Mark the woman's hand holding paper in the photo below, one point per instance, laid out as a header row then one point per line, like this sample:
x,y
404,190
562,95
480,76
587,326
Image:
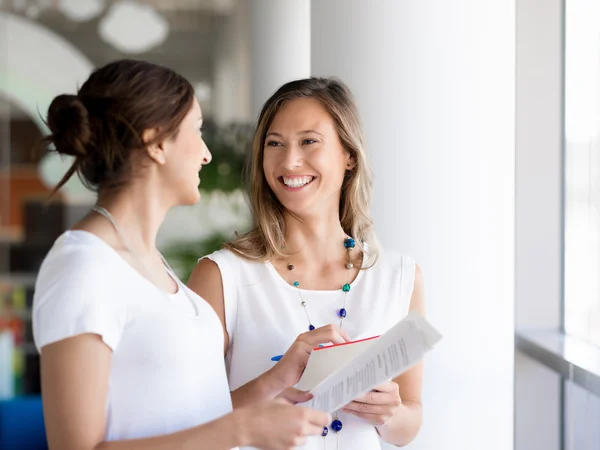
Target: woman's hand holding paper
x,y
290,367
377,406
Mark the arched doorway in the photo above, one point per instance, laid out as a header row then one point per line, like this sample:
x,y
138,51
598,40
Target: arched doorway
x,y
37,64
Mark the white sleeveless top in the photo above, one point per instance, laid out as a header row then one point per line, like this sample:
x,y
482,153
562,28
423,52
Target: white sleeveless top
x,y
167,372
263,317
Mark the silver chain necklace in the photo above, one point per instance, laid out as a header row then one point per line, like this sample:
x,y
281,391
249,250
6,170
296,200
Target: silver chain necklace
x,y
108,216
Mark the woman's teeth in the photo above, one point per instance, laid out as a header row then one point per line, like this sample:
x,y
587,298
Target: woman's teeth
x,y
296,182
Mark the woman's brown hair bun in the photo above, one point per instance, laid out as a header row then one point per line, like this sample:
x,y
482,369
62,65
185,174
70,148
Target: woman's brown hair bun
x,y
68,121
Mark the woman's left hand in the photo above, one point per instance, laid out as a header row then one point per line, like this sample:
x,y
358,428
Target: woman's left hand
x,y
377,406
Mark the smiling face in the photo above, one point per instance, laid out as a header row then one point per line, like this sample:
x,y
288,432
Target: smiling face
x,y
304,161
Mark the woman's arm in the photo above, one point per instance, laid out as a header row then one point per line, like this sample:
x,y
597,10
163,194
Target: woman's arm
x,y
206,281
75,374
395,407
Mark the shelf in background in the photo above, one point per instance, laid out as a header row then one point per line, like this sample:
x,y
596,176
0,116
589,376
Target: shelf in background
x,y
18,279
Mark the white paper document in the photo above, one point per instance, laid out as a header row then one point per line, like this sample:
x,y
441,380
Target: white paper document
x,y
322,362
377,361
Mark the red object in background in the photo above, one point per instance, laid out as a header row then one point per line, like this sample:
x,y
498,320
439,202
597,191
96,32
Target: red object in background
x,y
22,182
15,325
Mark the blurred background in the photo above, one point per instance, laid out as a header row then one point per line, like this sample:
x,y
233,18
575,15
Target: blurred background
x,y
482,120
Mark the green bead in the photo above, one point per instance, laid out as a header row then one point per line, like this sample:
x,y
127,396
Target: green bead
x,y
346,288
296,283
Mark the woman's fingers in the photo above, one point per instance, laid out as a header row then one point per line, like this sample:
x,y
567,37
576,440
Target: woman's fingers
x,y
325,334
294,395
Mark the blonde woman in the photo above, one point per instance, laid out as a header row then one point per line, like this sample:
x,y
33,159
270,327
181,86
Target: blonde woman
x,y
311,265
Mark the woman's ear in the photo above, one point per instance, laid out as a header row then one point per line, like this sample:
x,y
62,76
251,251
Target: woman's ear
x,y
155,150
350,162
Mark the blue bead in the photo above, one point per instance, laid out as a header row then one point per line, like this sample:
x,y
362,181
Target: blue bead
x,y
346,288
325,431
311,327
349,243
343,312
296,283
336,425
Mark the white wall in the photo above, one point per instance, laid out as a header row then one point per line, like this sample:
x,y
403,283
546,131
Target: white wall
x,y
435,85
262,44
280,42
539,163
539,249
232,69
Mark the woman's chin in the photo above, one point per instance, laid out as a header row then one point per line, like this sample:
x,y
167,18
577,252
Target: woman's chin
x,y
300,209
191,198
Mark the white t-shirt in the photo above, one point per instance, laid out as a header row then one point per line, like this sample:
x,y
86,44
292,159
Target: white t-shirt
x,y
167,372
263,317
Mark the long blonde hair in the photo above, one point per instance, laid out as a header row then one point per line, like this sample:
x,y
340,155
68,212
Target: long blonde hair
x,y
267,236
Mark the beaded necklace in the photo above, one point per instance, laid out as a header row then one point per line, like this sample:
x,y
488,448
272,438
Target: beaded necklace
x,y
349,244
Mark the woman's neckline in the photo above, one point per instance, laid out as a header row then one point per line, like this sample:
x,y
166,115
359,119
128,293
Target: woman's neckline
x,y
280,280
106,246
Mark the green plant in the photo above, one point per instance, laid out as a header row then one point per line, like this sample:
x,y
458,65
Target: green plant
x,y
229,146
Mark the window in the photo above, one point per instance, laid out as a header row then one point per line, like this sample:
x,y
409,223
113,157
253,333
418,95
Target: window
x,y
582,169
